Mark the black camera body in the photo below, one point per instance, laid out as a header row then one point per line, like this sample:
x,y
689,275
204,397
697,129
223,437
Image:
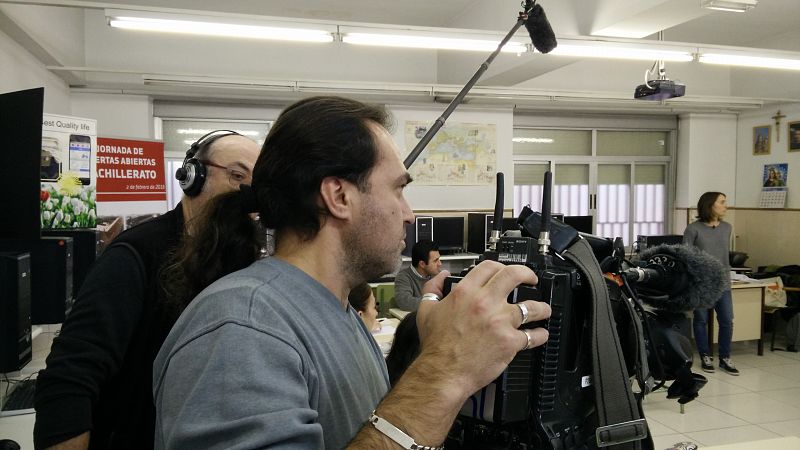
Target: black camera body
x,y
545,398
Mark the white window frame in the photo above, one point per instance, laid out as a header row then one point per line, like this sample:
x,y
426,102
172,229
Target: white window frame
x,y
593,161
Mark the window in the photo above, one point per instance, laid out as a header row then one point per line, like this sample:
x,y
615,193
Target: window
x,y
617,176
651,191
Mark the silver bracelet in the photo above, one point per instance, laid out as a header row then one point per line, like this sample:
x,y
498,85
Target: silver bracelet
x,y
397,435
430,296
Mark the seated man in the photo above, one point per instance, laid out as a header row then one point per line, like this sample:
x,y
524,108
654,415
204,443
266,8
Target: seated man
x,y
409,282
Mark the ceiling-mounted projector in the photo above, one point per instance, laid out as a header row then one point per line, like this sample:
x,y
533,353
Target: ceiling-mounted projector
x,y
659,90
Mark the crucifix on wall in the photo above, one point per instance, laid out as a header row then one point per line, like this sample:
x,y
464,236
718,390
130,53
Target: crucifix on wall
x,y
778,116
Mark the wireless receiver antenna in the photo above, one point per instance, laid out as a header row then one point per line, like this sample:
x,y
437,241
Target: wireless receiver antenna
x,y
497,226
544,230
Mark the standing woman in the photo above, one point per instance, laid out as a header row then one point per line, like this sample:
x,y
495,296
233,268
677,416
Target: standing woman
x,y
712,235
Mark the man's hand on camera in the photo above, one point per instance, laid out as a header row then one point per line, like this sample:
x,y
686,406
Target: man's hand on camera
x,y
473,333
436,284
468,338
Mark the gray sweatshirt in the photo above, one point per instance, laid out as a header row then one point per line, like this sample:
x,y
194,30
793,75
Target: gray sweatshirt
x,y
408,289
715,241
266,358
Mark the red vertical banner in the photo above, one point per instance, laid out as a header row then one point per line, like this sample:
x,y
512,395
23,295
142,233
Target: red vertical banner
x,y
130,170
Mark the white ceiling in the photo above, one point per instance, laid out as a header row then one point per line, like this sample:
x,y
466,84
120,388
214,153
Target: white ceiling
x,y
66,33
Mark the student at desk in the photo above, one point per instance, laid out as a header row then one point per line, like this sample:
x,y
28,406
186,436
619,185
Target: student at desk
x,y
410,282
362,300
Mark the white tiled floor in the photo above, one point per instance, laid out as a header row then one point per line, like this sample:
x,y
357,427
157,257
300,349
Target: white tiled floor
x,y
762,403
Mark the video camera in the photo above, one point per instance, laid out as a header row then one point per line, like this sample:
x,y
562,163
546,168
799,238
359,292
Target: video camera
x,y
575,390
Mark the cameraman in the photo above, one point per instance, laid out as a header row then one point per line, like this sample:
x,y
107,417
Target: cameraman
x,y
272,356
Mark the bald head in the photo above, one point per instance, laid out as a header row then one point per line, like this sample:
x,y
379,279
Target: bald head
x,y
229,162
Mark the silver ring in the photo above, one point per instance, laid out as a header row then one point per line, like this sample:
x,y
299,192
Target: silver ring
x,y
524,311
430,296
528,337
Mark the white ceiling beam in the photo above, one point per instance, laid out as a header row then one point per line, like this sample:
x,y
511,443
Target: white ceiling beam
x,y
629,20
45,56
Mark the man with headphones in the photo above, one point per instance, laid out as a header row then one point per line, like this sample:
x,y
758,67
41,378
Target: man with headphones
x,y
96,389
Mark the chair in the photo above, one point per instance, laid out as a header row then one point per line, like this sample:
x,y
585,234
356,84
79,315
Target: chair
x,y
384,295
777,316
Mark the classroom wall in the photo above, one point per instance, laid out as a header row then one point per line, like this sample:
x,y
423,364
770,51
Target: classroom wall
x,y
768,236
750,166
706,157
117,115
715,153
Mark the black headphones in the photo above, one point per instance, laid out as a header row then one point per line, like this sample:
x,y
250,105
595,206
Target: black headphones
x,y
192,174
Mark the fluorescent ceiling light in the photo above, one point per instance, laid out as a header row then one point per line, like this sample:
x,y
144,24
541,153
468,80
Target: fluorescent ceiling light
x,y
528,140
353,87
712,56
729,5
219,82
200,131
428,39
217,26
622,50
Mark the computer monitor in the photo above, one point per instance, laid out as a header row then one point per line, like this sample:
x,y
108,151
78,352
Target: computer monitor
x,y
448,233
584,224
20,163
642,242
510,223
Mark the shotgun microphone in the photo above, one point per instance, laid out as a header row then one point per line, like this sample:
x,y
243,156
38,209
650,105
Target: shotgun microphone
x,y
678,278
540,30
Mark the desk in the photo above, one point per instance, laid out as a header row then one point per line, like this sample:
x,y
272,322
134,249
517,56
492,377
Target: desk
x,y
385,336
748,314
398,313
453,263
20,428
453,257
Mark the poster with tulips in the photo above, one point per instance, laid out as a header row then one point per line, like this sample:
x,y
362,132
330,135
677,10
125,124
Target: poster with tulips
x,y
68,172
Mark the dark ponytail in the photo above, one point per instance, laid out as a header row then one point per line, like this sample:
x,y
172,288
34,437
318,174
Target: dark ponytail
x,y
224,239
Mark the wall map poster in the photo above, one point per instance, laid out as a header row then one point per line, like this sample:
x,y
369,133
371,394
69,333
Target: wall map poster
x,y
459,154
